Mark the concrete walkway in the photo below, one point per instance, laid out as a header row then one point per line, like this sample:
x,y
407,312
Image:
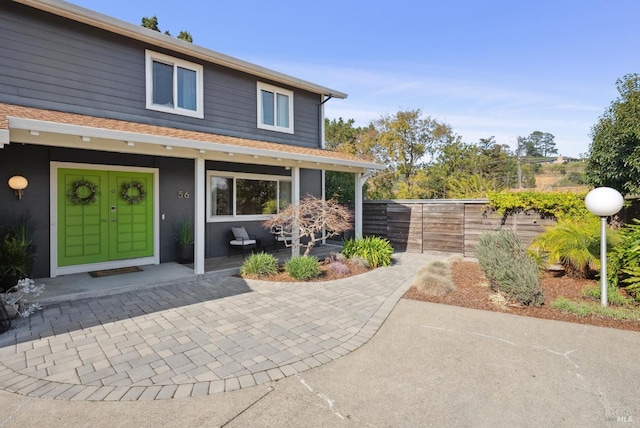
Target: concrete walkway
x,y
190,339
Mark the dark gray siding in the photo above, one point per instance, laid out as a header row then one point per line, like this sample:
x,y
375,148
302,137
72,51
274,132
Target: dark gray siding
x,y
175,175
310,182
33,162
54,63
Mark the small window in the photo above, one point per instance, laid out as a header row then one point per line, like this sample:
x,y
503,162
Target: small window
x,y
174,85
246,196
275,108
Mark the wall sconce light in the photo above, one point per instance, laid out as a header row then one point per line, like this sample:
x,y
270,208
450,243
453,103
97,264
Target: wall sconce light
x,y
18,183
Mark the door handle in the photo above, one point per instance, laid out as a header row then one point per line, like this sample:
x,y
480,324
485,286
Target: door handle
x,y
114,220
104,220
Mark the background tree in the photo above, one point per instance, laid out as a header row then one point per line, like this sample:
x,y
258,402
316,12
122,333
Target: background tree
x,y
425,159
614,154
406,140
539,144
186,36
497,163
462,170
152,24
343,136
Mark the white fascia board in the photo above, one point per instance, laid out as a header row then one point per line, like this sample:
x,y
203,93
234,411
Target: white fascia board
x,y
137,32
109,134
4,136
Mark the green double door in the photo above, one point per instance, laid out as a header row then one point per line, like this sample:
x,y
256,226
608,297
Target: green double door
x,y
104,216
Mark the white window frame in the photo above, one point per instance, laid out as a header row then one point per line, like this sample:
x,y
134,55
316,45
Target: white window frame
x,y
240,176
150,57
275,90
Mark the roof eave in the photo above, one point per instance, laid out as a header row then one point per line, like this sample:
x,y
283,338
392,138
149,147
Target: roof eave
x,y
92,132
136,32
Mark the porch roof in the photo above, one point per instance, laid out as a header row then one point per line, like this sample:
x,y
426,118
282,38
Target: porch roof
x,y
48,127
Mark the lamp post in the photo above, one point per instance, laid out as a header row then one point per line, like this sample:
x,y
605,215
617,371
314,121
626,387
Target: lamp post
x,y
603,202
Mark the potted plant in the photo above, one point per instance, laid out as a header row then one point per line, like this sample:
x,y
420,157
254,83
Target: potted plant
x,y
16,260
17,250
184,246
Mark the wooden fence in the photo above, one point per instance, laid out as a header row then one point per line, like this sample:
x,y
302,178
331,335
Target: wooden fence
x,y
450,226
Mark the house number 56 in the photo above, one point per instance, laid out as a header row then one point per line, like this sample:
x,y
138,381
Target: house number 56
x,y
183,194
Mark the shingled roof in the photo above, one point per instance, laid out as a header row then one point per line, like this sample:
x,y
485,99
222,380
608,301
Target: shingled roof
x,y
180,137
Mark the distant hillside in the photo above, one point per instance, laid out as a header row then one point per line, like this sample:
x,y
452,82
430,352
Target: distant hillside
x,y
564,176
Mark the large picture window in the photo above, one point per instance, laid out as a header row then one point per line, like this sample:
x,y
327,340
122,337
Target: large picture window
x,y
245,196
275,108
174,85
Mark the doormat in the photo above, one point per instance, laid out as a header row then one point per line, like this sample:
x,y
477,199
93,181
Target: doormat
x,y
118,271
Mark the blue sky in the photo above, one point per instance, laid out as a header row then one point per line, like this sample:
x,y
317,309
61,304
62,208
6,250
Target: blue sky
x,y
501,68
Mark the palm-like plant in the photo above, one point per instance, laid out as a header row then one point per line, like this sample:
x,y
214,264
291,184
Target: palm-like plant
x,y
624,264
575,245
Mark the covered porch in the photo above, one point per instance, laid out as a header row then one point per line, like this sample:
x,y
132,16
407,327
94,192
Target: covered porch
x,y
180,166
83,285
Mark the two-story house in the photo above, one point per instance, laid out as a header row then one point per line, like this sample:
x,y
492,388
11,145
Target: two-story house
x,y
121,132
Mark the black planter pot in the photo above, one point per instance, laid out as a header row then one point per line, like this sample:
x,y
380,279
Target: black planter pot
x,y
8,281
184,253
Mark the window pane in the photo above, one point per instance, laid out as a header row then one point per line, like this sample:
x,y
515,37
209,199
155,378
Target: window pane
x,y
285,195
186,89
221,195
255,197
162,84
267,107
283,110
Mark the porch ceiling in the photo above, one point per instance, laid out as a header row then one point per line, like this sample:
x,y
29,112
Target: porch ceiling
x,y
20,124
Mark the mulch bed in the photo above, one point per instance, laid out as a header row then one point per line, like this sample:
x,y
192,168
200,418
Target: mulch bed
x,y
472,291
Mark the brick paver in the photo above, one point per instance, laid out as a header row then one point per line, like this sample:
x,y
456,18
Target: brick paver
x,y
206,336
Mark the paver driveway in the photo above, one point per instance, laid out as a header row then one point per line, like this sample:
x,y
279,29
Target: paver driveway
x,y
196,338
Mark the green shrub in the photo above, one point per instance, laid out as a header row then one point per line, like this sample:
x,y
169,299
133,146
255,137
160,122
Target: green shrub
x,y
259,265
573,244
377,251
587,309
509,268
623,265
561,206
614,296
303,267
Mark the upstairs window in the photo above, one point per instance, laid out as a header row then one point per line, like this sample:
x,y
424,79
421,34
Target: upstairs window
x,y
174,85
275,108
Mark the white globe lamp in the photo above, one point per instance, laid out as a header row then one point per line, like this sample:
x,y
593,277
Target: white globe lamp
x,y
603,202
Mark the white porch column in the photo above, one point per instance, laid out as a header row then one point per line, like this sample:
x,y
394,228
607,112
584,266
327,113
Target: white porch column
x,y
199,220
323,180
358,204
295,201
361,178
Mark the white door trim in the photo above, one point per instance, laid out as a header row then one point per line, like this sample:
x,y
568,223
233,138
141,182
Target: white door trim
x,y
55,270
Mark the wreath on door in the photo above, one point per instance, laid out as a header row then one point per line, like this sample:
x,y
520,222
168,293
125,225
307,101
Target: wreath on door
x,y
133,192
90,192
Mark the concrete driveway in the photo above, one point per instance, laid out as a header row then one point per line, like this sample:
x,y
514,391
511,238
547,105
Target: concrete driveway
x,y
428,365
